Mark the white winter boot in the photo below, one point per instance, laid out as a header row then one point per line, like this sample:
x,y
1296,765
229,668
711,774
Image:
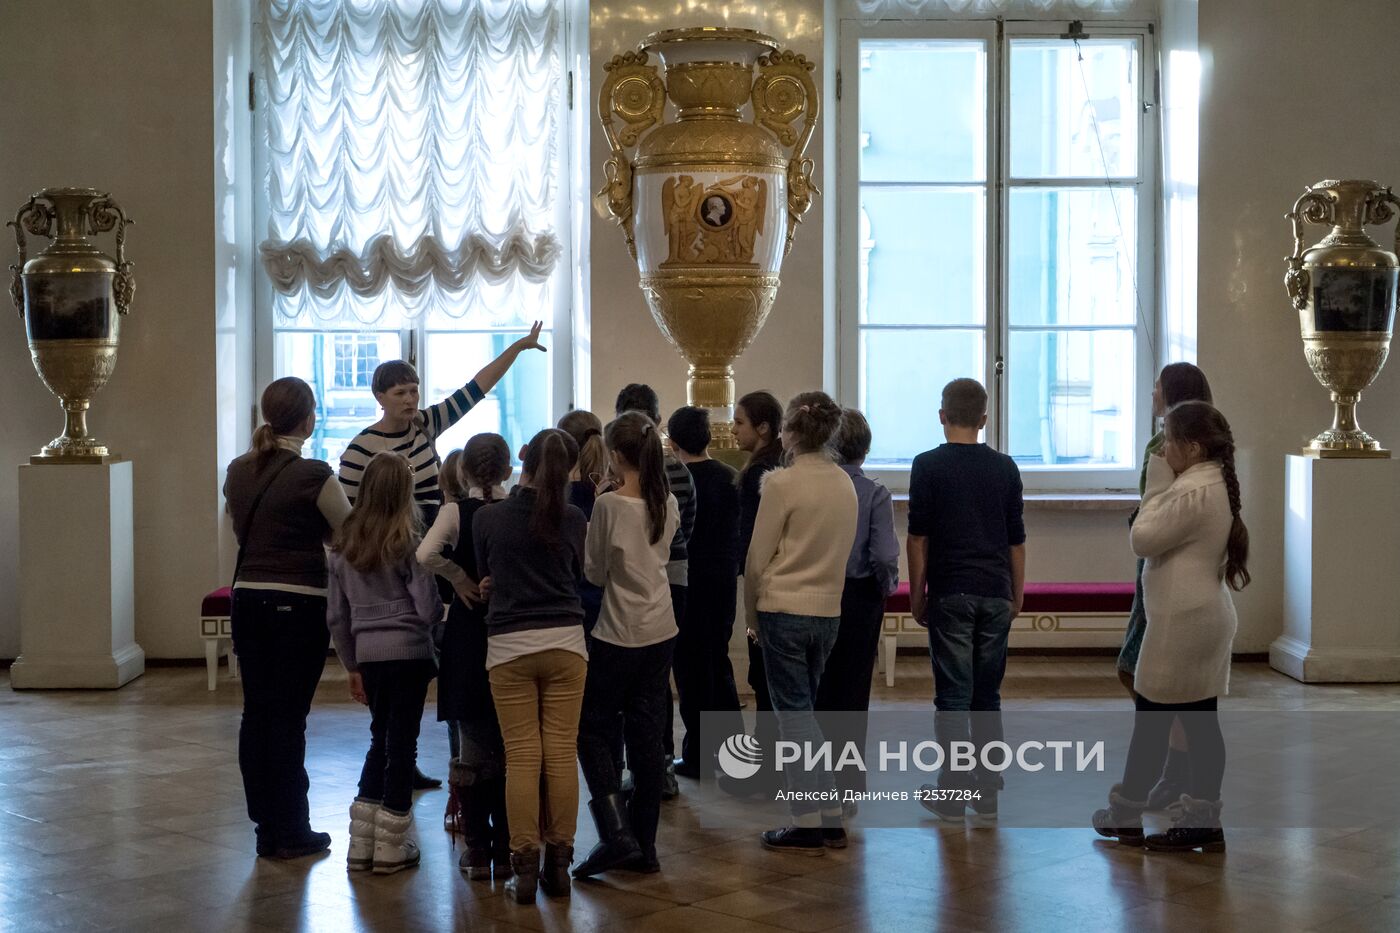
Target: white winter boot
x,y
393,850
362,812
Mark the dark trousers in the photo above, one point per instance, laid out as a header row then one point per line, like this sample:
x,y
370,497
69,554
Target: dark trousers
x,y
845,683
967,639
396,691
626,691
281,640
704,676
765,726
1148,751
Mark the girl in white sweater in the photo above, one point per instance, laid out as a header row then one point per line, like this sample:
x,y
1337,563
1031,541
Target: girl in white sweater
x,y
794,576
629,656
1195,545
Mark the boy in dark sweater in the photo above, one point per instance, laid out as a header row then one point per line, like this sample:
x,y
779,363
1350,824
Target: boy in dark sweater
x,y
967,562
704,676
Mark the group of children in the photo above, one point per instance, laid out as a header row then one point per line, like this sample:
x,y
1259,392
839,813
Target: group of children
x,y
614,561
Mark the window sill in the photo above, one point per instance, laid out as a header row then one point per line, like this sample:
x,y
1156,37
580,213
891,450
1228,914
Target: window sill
x,y
1067,501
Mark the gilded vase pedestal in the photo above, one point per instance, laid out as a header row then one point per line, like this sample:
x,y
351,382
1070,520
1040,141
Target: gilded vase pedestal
x,y
709,201
1344,289
77,624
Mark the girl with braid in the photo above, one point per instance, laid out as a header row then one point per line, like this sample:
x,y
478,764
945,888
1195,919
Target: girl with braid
x,y
1195,544
478,770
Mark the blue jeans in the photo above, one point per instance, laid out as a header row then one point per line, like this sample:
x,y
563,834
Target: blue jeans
x,y
795,649
967,638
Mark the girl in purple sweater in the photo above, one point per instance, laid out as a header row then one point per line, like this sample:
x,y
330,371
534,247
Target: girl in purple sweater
x,y
381,608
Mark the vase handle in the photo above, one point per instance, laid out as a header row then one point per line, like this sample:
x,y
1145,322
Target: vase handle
x,y
103,215
37,218
1382,207
784,94
1313,208
634,95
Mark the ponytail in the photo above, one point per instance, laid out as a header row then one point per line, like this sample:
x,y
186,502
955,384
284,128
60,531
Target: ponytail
x,y
549,458
286,404
635,438
587,431
1201,423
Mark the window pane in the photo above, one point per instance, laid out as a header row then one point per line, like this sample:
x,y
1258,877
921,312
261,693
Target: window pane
x,y
1073,118
324,359
518,406
1072,256
908,133
1071,398
902,375
922,256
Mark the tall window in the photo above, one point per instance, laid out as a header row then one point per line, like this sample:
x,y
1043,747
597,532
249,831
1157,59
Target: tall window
x,y
997,211
412,152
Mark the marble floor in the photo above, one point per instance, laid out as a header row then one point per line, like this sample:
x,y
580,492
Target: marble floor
x,y
123,811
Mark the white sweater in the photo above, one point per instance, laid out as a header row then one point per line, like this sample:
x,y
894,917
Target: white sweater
x,y
802,537
1181,531
619,556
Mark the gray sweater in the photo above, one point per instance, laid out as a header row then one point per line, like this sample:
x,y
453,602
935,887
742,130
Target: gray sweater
x,y
384,615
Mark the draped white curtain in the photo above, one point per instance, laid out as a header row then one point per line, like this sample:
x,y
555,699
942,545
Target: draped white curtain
x,y
412,158
983,8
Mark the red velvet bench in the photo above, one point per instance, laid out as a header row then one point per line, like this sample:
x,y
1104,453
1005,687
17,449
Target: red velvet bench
x,y
1095,613
216,625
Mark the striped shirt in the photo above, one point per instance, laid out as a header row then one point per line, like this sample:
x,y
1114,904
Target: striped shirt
x,y
416,442
683,488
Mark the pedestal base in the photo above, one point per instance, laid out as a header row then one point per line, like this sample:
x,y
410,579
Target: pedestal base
x,y
1341,599
100,671
77,620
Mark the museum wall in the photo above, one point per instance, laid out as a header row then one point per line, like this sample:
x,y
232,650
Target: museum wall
x,y
1282,107
97,94
104,94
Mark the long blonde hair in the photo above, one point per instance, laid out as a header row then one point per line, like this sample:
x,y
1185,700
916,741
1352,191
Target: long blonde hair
x,y
384,526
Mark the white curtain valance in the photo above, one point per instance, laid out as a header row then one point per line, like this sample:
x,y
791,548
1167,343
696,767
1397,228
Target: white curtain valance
x,y
1063,9
412,154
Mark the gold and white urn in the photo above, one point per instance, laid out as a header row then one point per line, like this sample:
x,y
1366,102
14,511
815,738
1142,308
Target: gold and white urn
x,y
1344,289
709,201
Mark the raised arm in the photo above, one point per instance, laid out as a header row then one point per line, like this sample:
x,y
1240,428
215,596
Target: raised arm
x,y
492,372
450,410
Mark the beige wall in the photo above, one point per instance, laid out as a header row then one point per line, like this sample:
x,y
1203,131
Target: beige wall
x,y
120,96
1283,105
155,122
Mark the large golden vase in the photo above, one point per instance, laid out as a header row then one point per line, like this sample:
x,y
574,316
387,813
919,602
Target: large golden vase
x,y
1344,288
72,297
709,200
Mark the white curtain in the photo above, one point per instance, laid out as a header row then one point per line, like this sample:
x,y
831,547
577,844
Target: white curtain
x,y
1068,9
412,158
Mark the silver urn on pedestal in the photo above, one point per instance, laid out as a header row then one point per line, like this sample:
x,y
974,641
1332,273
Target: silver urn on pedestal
x,y
1344,288
72,297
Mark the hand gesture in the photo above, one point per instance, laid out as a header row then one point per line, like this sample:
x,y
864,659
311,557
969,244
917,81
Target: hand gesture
x,y
532,340
357,689
469,592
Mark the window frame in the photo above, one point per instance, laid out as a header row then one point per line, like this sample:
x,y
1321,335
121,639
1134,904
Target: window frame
x,y
565,320
999,184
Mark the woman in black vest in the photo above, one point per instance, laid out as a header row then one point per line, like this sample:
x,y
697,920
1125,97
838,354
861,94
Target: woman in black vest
x,y
283,509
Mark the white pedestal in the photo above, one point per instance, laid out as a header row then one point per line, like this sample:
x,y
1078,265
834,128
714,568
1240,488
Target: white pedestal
x,y
1341,588
77,624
